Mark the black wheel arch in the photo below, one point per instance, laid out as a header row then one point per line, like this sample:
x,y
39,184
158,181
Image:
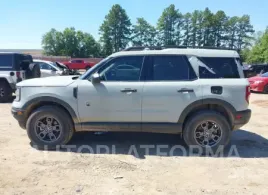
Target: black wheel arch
x,y
218,105
38,102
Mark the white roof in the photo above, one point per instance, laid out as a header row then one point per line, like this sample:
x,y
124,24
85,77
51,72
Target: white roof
x,y
193,52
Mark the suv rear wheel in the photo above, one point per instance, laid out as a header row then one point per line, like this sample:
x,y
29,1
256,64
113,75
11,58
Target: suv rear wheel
x,y
207,130
49,127
5,91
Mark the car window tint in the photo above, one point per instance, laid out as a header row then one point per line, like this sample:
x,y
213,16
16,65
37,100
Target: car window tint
x,y
44,66
171,68
218,68
6,60
265,74
127,68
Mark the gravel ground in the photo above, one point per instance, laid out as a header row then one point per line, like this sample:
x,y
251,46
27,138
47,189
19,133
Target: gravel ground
x,y
128,169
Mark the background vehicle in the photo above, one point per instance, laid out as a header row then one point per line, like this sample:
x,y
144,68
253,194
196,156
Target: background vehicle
x,y
48,68
15,67
199,93
69,71
255,69
259,83
78,64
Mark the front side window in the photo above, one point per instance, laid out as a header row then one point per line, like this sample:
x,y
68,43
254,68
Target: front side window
x,y
127,68
171,68
218,68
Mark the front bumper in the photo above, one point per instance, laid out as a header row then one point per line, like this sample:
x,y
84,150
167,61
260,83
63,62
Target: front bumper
x,y
20,116
241,118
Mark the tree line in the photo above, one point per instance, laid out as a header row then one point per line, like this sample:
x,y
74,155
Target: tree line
x,y
258,54
197,29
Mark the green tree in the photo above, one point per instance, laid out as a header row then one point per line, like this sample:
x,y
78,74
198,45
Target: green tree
x,y
70,43
167,26
115,31
186,28
53,43
143,33
219,29
245,31
207,25
232,29
194,29
259,52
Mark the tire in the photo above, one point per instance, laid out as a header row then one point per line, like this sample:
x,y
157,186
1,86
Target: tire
x,y
88,67
33,71
265,89
192,126
63,120
5,91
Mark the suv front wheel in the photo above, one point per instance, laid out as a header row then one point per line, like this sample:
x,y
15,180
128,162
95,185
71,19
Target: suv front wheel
x,y
207,130
49,127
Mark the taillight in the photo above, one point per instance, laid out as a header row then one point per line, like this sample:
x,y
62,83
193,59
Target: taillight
x,y
247,93
18,74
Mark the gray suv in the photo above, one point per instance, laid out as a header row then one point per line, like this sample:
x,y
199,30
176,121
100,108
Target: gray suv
x,y
199,93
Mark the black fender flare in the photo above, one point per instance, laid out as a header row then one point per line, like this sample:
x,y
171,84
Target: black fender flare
x,y
28,106
212,101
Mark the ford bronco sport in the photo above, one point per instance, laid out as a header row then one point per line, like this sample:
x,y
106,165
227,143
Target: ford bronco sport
x,y
199,93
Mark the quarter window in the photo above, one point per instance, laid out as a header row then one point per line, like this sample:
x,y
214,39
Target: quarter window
x,y
218,68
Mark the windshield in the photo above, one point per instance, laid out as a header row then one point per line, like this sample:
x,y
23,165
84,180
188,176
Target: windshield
x,y
265,74
94,68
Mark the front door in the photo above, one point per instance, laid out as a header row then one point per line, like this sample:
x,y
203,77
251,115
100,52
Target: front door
x,y
115,102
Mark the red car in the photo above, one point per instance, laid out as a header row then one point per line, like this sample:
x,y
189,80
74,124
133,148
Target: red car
x,y
78,64
259,83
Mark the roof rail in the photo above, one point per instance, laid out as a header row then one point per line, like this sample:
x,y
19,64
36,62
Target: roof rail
x,y
140,48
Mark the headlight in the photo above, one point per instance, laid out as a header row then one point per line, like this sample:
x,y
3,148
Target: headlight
x,y
258,82
18,94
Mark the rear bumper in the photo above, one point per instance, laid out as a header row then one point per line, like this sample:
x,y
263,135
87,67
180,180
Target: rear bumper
x,y
241,118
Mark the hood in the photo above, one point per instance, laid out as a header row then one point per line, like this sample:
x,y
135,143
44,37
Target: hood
x,y
55,81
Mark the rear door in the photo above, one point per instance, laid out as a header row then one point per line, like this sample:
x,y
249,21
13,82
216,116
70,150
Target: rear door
x,y
170,87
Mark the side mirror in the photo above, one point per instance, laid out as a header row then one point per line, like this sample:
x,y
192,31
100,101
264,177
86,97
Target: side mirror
x,y
95,78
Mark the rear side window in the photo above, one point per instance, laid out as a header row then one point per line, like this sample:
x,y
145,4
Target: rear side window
x,y
218,68
6,61
171,68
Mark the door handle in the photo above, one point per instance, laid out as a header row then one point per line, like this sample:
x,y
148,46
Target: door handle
x,y
185,90
128,90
